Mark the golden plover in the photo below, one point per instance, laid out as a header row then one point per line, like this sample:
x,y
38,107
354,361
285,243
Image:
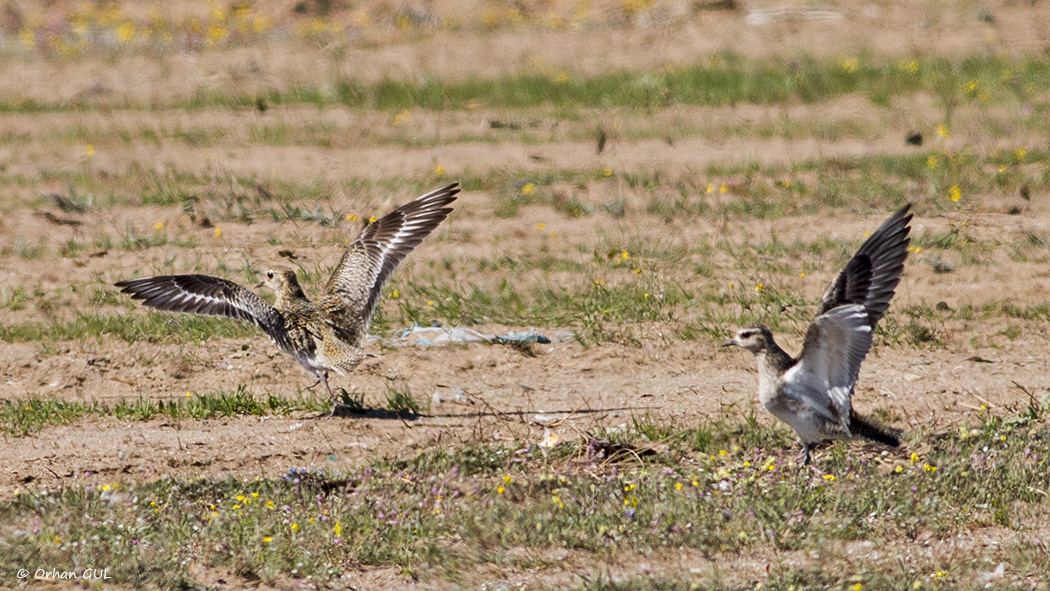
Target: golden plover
x,y
812,392
323,335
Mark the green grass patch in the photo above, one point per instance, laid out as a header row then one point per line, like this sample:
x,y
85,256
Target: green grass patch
x,y
26,416
141,326
724,79
652,489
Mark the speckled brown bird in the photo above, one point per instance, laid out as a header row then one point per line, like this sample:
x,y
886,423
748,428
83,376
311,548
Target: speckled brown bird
x,y
323,335
812,393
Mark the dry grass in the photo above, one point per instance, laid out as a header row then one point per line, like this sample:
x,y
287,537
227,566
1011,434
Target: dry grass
x,y
636,203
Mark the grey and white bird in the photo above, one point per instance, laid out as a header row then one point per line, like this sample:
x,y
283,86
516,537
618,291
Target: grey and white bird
x,y
326,334
812,392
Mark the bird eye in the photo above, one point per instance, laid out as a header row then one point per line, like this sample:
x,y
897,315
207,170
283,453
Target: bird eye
x,y
269,274
747,334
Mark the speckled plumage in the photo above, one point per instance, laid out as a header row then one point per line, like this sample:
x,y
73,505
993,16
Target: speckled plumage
x,y
812,393
323,335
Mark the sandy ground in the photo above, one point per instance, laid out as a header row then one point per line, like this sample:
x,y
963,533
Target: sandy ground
x,y
516,397
566,387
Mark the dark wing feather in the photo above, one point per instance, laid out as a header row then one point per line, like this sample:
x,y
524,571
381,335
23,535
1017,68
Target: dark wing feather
x,y
207,296
872,275
353,291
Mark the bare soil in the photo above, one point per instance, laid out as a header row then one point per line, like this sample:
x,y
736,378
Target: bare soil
x,y
566,387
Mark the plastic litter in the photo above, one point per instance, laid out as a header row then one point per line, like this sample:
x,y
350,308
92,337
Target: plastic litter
x,y
425,336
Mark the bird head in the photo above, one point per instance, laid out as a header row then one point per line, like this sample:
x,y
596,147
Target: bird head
x,y
278,279
283,283
753,337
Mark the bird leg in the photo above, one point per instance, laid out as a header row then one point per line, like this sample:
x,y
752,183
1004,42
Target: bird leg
x,y
317,380
331,395
803,456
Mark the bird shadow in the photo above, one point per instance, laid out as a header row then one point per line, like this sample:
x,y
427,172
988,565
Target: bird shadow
x,y
376,413
387,414
352,405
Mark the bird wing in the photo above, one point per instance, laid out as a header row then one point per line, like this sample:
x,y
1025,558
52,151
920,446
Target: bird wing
x,y
351,294
835,346
207,296
873,273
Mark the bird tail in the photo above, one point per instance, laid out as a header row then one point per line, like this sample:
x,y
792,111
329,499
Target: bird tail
x,y
873,431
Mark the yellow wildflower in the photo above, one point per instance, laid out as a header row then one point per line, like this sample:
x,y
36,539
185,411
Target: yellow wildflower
x,y
28,38
126,32
908,66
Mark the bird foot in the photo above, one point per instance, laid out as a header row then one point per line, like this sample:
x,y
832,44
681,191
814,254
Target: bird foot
x,y
335,404
803,457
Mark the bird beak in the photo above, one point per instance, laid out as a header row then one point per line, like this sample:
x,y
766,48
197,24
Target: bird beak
x,y
260,284
730,343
